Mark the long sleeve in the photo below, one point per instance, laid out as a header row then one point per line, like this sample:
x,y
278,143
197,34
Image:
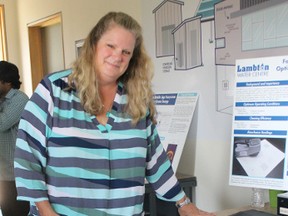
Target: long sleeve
x,y
30,153
159,172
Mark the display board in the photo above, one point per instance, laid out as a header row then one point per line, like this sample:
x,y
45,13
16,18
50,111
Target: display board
x,y
174,115
260,123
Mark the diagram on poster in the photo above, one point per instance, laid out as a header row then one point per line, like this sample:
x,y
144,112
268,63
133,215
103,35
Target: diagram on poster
x,y
238,29
246,29
260,123
175,112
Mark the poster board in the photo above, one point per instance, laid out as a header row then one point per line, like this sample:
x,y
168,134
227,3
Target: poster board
x,y
174,115
260,123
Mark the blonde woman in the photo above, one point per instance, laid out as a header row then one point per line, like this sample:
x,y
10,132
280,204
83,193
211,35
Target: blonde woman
x,y
87,139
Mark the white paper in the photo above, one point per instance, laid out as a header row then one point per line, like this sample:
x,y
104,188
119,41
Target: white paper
x,y
175,113
260,111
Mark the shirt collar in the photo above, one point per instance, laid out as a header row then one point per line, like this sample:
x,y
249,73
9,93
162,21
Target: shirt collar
x,y
10,93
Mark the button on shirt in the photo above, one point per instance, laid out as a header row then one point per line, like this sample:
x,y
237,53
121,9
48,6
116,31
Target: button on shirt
x,y
11,107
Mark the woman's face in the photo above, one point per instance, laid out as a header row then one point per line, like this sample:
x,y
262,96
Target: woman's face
x,y
113,53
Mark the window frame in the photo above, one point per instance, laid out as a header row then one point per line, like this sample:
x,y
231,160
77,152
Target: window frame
x,y
3,40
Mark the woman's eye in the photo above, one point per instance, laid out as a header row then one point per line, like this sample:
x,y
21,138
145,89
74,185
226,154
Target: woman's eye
x,y
110,45
126,52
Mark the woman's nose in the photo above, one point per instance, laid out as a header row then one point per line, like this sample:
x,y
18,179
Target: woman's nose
x,y
117,54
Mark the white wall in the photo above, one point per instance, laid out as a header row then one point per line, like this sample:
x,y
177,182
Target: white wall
x,y
207,151
12,32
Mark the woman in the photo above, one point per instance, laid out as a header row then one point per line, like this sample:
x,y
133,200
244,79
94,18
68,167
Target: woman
x,y
87,139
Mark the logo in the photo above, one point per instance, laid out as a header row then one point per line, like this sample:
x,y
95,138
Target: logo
x,y
252,68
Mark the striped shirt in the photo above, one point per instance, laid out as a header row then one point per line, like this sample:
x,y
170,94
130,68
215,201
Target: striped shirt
x,y
82,167
11,107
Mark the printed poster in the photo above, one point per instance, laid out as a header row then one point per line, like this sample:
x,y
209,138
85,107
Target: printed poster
x,y
174,115
260,124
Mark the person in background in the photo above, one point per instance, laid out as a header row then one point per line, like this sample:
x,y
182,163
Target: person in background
x,y
12,102
88,139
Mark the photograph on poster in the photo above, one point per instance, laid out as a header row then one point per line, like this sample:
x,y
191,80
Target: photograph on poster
x,y
171,150
259,157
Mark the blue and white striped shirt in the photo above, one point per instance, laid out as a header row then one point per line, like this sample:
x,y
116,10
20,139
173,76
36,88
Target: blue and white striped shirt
x,y
82,167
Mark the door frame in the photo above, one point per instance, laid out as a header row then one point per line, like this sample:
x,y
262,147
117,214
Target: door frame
x,y
35,45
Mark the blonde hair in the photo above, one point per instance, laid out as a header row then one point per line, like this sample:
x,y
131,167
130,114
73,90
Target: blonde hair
x,y
136,79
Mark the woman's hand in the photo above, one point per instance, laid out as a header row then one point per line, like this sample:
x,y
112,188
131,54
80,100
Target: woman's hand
x,y
45,208
191,210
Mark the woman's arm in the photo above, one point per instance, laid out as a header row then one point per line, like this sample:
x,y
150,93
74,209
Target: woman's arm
x,y
30,152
